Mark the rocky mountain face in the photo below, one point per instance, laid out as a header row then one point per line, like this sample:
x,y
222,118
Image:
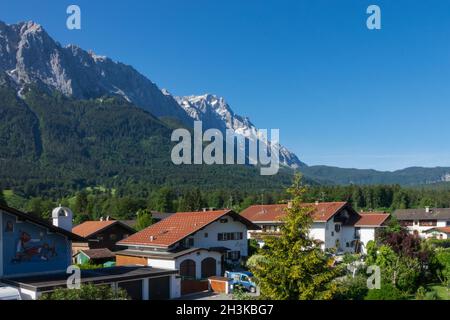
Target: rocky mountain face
x,y
215,112
29,55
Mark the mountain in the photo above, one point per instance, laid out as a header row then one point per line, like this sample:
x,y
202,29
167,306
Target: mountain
x,y
408,177
29,55
51,144
70,118
215,112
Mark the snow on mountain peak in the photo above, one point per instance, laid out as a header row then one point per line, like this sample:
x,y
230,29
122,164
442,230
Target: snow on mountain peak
x,y
216,113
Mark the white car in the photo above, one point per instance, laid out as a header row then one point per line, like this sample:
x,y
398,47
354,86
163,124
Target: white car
x,y
9,293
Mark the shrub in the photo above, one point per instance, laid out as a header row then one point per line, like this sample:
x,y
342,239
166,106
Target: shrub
x,y
352,288
386,292
86,292
443,269
349,258
89,266
437,243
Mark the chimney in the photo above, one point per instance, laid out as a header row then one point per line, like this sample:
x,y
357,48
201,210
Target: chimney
x,y
101,218
317,202
289,204
62,218
427,209
107,218
204,209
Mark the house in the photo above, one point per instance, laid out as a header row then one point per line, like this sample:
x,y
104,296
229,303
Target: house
x,y
35,256
440,233
101,234
336,225
421,221
29,245
95,256
198,244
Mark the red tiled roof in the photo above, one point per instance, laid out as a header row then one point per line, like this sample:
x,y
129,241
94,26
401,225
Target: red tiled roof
x,y
177,227
88,228
440,229
322,211
102,253
371,219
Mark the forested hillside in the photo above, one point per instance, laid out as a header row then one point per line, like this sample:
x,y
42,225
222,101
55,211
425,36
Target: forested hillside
x,y
52,145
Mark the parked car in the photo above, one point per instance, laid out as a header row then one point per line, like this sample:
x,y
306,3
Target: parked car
x,y
9,293
242,280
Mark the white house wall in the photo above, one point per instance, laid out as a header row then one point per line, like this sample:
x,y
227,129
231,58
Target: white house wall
x,y
317,232
347,237
330,235
200,241
160,263
366,235
198,257
422,229
175,287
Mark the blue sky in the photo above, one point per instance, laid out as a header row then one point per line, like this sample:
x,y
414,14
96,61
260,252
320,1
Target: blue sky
x,y
339,93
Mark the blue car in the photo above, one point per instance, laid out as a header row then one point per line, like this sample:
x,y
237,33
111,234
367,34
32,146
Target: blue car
x,y
241,279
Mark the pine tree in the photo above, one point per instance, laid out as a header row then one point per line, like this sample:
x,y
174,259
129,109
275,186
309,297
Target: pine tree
x,y
292,266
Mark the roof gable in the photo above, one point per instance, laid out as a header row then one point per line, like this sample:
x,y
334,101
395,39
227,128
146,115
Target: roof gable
x,y
102,253
29,217
321,212
419,214
372,219
179,226
89,228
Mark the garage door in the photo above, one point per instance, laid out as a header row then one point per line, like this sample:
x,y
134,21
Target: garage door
x,y
133,288
159,288
208,267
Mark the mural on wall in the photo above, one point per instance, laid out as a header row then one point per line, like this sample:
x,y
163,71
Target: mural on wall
x,y
30,248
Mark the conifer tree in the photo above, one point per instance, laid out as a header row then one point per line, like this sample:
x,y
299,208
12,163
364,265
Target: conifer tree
x,y
292,266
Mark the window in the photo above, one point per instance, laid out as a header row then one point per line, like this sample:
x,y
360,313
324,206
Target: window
x,y
206,234
224,220
100,238
245,278
226,236
234,255
113,236
332,233
347,244
337,227
190,242
406,223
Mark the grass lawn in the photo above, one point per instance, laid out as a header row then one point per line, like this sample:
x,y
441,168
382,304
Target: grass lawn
x,y
442,292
